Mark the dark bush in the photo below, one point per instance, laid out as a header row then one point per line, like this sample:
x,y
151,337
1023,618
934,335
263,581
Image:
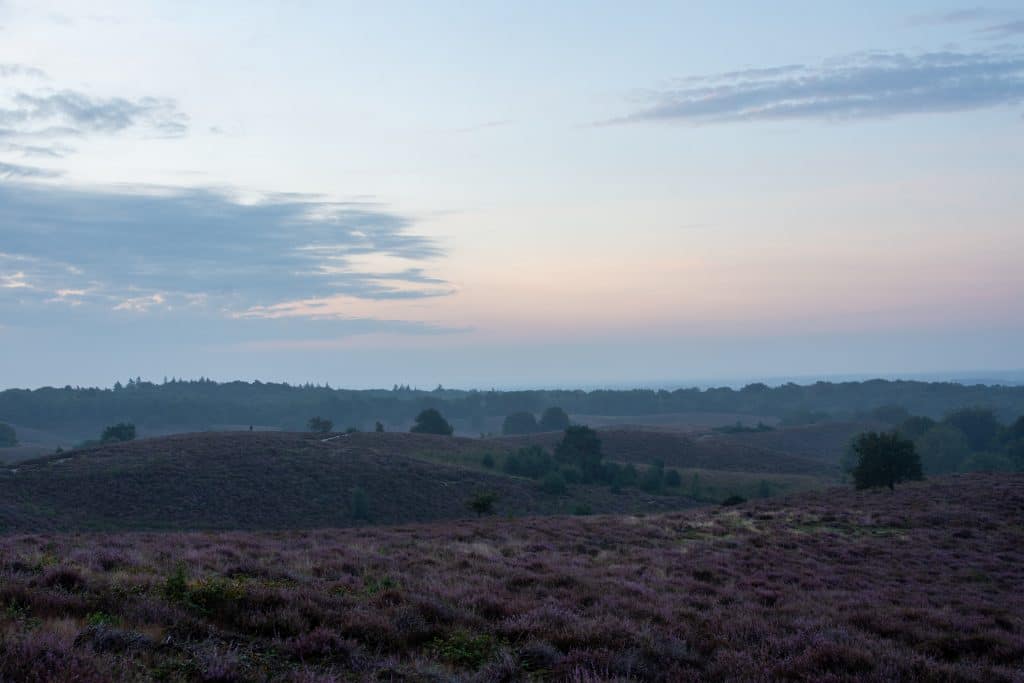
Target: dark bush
x,y
319,425
482,503
554,419
519,423
430,421
734,500
530,461
884,459
553,483
122,431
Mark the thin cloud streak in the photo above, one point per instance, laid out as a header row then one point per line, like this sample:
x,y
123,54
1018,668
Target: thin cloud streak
x,y
869,86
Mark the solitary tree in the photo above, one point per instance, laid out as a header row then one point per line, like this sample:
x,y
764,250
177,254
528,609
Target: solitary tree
x,y
580,446
8,437
320,425
554,419
379,427
519,423
482,503
122,431
884,459
430,421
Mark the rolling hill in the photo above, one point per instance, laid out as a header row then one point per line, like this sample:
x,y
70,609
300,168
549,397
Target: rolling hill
x,y
274,480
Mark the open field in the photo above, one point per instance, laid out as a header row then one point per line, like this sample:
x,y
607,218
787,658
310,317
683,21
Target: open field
x,y
918,585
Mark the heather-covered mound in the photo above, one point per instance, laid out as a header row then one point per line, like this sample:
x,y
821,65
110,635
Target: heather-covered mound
x,y
921,584
275,480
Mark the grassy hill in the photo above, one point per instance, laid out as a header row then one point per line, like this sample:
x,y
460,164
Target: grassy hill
x,y
918,585
275,480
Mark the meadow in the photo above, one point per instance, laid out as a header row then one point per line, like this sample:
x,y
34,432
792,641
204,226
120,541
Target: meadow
x,y
918,585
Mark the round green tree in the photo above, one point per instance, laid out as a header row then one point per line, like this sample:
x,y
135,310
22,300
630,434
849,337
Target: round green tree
x,y
430,421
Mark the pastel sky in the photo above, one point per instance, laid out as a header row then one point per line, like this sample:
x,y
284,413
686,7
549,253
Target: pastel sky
x,y
509,194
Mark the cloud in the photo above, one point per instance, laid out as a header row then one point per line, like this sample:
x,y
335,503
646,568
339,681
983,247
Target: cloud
x,y
75,113
8,171
1005,30
162,249
961,16
38,121
867,86
21,70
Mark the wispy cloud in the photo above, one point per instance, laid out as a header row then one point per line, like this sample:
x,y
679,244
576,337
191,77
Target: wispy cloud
x,y
21,70
966,15
76,113
1005,29
866,86
39,121
9,171
169,249
1000,23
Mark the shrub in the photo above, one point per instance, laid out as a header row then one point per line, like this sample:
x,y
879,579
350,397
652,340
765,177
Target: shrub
x,y
734,500
582,510
378,427
652,479
580,446
554,419
553,483
430,421
175,588
482,503
531,461
319,425
519,423
122,431
465,649
884,459
487,461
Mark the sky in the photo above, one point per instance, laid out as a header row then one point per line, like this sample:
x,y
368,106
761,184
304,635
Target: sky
x,y
497,194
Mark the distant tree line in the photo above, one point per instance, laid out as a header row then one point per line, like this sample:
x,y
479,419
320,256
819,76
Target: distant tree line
x,y
200,404
578,459
964,440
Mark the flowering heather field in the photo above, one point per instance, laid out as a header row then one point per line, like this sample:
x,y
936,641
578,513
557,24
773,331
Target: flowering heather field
x,y
921,585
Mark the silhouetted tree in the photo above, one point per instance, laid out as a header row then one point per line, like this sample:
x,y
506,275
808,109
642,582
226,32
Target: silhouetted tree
x,y
320,425
884,459
915,426
378,427
979,425
580,446
942,449
519,423
554,419
482,503
430,421
8,437
122,431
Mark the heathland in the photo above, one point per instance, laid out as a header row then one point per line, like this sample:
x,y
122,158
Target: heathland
x,y
920,584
